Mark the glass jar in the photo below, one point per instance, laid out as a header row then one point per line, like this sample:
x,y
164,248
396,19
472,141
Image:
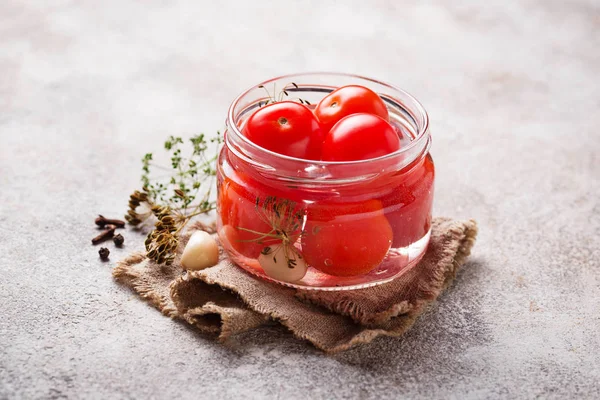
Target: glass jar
x,y
325,225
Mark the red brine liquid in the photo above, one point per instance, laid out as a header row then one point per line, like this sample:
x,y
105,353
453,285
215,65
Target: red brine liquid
x,y
344,231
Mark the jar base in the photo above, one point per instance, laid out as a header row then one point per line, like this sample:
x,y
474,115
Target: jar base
x,y
397,262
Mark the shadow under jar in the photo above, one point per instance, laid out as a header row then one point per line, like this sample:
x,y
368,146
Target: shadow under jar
x,y
354,224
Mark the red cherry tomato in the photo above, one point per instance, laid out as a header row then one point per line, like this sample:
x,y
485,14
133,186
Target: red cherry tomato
x,y
360,137
286,128
349,100
346,239
243,222
408,205
236,205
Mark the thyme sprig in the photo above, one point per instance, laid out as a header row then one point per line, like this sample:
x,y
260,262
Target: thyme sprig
x,y
183,192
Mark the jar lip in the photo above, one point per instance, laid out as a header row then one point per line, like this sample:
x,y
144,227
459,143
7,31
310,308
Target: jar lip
x,y
422,122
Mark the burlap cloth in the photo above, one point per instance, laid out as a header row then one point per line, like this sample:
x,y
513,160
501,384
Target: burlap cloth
x,y
224,300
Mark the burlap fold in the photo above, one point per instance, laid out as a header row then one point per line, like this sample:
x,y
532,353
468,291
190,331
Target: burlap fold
x,y
225,300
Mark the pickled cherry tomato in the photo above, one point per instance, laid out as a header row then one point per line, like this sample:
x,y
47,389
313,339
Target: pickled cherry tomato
x,y
240,203
360,137
236,207
287,128
346,239
408,205
348,100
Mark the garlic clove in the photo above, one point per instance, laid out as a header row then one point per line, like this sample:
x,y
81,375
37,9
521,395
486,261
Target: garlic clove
x,y
284,263
200,252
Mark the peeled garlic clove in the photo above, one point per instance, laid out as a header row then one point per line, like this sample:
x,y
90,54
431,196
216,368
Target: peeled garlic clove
x,y
200,252
284,263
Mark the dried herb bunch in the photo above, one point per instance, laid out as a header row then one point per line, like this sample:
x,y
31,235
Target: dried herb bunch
x,y
174,196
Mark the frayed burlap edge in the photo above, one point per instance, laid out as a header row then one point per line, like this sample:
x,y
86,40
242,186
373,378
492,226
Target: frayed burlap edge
x,y
153,282
126,273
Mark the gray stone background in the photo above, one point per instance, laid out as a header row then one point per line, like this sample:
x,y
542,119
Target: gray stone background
x,y
512,88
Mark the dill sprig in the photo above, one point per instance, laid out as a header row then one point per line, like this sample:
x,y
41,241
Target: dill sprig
x,y
273,97
285,217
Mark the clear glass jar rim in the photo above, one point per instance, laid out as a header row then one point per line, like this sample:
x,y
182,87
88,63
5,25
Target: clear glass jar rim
x,y
422,123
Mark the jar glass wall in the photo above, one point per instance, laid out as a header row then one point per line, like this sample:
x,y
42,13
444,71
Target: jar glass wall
x,y
325,225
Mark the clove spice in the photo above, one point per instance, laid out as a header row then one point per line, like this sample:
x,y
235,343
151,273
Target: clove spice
x,y
119,240
104,252
105,235
102,221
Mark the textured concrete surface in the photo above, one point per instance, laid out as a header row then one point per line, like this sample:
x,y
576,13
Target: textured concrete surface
x,y
513,91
